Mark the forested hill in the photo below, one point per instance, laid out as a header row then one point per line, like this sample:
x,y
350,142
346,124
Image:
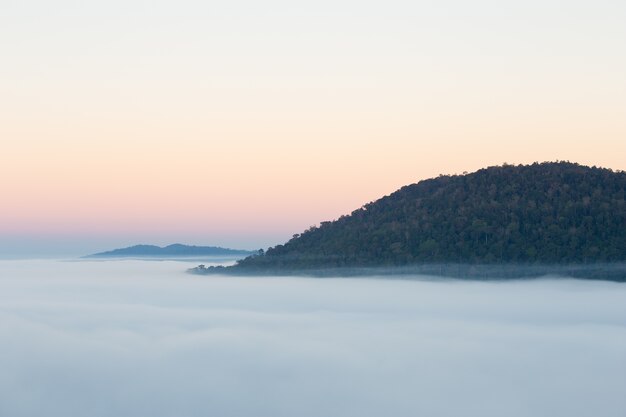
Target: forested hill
x,y
541,213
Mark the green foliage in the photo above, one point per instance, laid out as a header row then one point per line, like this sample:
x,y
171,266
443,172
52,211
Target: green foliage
x,y
541,213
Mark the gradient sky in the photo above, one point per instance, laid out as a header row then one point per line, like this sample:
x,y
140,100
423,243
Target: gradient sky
x,y
240,123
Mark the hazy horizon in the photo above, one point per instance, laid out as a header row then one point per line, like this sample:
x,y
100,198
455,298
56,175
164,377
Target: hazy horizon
x,y
33,245
58,248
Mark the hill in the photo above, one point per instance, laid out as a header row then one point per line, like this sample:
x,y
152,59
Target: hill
x,y
544,213
172,251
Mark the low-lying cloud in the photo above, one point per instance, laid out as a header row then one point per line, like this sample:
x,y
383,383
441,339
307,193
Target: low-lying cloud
x,y
137,338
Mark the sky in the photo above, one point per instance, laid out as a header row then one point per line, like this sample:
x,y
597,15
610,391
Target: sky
x,y
241,123
134,338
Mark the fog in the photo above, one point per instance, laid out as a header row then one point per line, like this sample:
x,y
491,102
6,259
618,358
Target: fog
x,y
140,338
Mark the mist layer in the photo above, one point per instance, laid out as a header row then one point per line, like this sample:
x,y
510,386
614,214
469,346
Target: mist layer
x,y
142,338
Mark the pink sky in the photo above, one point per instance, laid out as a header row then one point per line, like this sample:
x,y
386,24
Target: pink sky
x,y
222,127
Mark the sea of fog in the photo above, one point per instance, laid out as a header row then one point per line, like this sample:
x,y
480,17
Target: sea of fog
x,y
142,338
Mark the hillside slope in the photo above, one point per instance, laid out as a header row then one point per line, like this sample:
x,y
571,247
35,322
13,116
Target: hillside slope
x,y
541,213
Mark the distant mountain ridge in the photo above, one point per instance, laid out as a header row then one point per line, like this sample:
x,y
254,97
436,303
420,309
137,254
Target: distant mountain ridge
x,y
174,251
544,213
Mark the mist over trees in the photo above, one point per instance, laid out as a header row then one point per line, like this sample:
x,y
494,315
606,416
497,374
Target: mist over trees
x,y
557,212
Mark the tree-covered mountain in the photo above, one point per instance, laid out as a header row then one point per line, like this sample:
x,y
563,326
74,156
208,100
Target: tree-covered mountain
x,y
172,251
541,213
